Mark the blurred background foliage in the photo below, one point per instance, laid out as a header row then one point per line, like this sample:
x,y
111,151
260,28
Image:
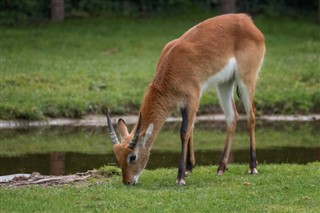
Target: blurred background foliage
x,y
14,12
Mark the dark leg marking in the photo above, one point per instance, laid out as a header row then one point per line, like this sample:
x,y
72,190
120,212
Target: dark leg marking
x,y
183,131
190,156
253,156
189,165
253,160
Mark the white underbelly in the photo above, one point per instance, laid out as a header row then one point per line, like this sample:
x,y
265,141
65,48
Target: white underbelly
x,y
224,75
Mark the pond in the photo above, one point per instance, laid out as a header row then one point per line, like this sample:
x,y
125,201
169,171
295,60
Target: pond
x,y
66,150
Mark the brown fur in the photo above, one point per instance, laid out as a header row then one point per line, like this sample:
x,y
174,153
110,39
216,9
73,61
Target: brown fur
x,y
185,63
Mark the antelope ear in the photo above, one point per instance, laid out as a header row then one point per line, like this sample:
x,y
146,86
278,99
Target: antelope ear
x,y
122,128
147,135
117,150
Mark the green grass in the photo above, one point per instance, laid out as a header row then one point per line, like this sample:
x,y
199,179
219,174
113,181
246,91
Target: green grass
x,y
96,140
290,79
277,188
81,67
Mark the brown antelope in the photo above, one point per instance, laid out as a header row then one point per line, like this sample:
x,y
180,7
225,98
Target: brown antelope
x,y
218,52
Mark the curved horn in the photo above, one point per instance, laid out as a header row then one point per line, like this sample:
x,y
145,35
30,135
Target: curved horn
x,y
112,133
135,138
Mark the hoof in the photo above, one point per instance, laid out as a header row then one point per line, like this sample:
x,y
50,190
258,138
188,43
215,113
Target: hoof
x,y
188,173
253,171
181,182
220,172
221,169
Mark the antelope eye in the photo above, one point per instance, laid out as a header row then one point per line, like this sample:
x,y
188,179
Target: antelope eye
x,y
132,158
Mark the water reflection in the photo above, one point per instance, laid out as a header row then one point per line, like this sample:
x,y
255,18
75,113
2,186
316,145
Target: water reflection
x,y
58,163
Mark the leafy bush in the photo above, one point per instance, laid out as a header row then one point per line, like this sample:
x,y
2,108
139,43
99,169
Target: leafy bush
x,y
23,11
278,7
26,11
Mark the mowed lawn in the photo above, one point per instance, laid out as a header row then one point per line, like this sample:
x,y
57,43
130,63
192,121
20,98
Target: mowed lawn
x,y
80,67
277,188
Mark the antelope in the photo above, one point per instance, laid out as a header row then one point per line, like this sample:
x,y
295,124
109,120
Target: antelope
x,y
223,51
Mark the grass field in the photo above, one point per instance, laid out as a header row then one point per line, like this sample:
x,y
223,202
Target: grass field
x,y
277,188
80,67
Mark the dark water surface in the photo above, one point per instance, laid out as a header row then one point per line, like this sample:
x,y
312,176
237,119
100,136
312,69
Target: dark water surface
x,y
77,160
58,163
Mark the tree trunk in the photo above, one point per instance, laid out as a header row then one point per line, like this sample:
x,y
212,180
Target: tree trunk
x,y
319,12
57,10
228,6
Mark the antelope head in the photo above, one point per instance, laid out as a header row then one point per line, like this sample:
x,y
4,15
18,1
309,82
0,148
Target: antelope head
x,y
131,153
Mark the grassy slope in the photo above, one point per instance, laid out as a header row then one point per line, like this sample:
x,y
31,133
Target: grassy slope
x,y
82,66
277,188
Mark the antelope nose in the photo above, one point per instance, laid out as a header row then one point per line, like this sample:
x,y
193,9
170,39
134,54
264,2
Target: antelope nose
x,y
126,182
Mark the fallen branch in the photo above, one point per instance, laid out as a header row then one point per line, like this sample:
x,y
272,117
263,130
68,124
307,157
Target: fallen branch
x,y
38,179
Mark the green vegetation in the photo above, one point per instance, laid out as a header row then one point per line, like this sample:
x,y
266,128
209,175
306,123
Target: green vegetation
x,y
81,67
277,188
96,141
30,11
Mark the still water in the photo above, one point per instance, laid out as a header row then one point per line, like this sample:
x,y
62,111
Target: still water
x,y
64,150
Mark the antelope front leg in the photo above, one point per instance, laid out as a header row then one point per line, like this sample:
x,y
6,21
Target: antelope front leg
x,y
190,156
185,136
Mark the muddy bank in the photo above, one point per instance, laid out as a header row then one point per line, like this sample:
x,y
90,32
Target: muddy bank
x,y
100,120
